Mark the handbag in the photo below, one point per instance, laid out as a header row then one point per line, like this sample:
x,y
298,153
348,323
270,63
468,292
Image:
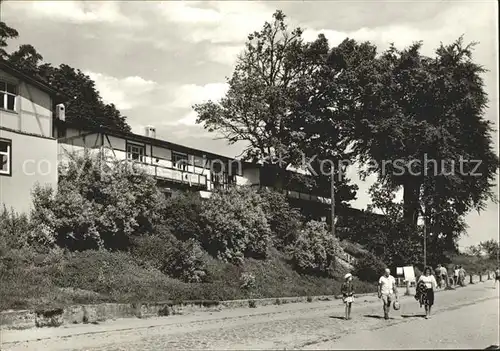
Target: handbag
x,y
349,299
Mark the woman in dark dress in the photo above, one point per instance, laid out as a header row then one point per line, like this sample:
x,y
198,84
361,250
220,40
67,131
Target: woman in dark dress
x,y
426,285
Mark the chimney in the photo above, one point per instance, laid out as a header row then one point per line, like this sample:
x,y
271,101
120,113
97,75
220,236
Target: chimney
x,y
60,112
150,131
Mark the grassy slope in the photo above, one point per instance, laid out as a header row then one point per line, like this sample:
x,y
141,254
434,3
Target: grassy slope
x,y
32,280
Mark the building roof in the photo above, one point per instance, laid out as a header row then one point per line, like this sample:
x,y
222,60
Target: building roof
x,y
140,138
40,84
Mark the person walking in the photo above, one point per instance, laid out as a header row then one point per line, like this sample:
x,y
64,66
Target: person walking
x,y
428,294
461,275
444,277
497,276
438,275
456,270
441,276
387,291
347,290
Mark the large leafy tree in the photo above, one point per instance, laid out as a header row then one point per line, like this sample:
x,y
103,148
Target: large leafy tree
x,y
6,33
276,80
84,104
420,115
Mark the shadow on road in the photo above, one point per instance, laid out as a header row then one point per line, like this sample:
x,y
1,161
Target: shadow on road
x,y
337,317
413,315
376,316
493,347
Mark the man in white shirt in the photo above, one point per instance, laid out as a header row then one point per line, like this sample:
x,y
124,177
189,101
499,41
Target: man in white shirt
x,y
387,291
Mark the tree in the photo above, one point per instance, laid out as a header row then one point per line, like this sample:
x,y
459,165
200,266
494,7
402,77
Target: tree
x,y
6,33
474,250
420,108
182,215
277,79
85,105
27,60
491,248
315,250
97,205
284,221
235,225
369,268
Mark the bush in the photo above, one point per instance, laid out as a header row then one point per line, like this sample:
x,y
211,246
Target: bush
x,y
235,225
247,281
369,268
315,250
175,258
284,221
14,230
182,215
97,204
353,249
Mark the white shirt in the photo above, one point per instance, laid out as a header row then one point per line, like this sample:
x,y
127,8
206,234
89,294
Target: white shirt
x,y
430,281
387,284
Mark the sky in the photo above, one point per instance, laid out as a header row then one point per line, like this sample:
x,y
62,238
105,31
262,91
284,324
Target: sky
x,y
154,60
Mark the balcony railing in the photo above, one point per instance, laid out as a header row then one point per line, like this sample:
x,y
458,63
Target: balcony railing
x,y
303,196
174,174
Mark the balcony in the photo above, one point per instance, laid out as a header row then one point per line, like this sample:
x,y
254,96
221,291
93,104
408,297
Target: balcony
x,y
302,196
174,175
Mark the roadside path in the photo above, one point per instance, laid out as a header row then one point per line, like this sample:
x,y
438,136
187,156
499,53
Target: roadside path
x,y
294,326
474,327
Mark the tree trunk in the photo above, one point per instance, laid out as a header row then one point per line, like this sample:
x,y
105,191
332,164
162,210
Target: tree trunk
x,y
411,200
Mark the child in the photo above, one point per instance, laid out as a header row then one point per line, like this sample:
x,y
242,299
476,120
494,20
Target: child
x,y
347,290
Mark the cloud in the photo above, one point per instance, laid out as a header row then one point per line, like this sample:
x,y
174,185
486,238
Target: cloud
x,y
185,96
182,12
455,21
223,22
225,54
73,11
189,94
188,120
126,93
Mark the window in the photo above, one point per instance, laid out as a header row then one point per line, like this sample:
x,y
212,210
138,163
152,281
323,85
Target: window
x,y
8,93
179,160
61,132
135,152
200,161
5,156
236,167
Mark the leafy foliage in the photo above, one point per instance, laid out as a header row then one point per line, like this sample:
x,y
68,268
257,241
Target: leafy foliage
x,y
178,259
414,106
277,84
315,249
6,33
235,225
14,230
284,221
85,105
369,268
182,215
97,205
491,248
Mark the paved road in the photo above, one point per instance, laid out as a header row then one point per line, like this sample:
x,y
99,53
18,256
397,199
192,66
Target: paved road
x,y
460,315
474,326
